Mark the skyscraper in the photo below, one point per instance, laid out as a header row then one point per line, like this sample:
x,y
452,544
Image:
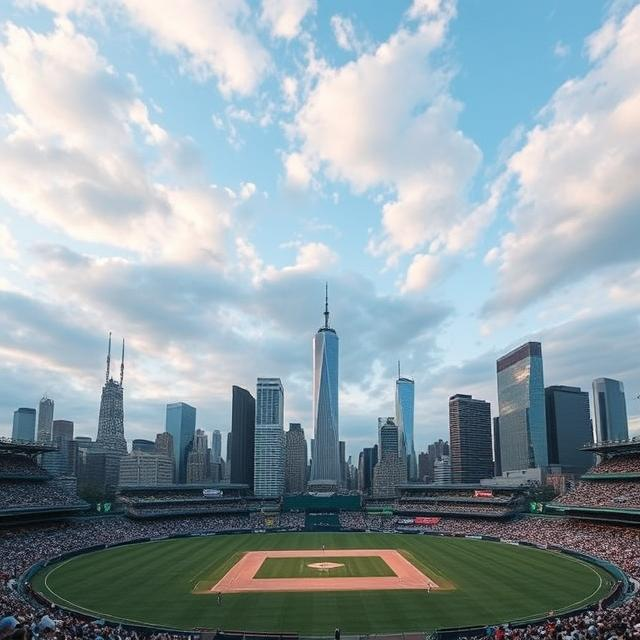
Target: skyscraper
x,y
62,429
143,446
325,462
610,410
568,428
45,419
111,419
404,419
269,439
216,446
497,462
243,427
470,439
442,470
295,459
198,459
181,424
24,424
391,468
164,447
523,425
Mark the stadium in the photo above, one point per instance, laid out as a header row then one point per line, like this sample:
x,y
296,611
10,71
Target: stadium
x,y
445,561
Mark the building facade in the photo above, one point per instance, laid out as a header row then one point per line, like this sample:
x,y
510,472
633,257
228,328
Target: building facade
x,y
442,470
111,418
325,455
269,439
145,446
404,419
568,428
295,459
243,427
523,425
180,422
391,468
24,424
62,429
198,459
145,469
470,439
610,408
45,419
216,445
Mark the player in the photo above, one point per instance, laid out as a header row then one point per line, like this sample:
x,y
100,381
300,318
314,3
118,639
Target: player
x,y
219,598
322,548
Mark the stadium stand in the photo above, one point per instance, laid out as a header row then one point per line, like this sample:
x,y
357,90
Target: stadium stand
x,y
27,491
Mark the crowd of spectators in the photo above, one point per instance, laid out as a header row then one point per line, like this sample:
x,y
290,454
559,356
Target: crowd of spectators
x,y
603,493
14,465
622,463
452,507
18,494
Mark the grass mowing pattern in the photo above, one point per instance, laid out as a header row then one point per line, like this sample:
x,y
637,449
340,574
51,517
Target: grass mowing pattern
x,y
363,567
153,582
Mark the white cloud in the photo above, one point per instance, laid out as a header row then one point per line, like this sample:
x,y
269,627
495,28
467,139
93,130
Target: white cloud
x,y
8,245
211,38
386,121
345,34
577,194
561,49
71,159
284,17
423,271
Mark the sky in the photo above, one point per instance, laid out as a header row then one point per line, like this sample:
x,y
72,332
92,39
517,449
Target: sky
x,y
189,175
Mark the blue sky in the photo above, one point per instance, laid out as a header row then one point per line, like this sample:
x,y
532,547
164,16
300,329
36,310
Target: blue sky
x,y
189,174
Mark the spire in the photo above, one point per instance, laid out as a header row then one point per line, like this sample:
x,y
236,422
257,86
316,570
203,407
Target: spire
x,y
108,358
398,369
122,364
326,305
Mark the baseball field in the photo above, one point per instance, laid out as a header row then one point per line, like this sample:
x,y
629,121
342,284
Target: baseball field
x,y
311,583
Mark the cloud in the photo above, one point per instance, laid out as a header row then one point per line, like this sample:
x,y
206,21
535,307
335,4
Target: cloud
x,y
387,122
284,17
345,34
576,194
211,38
71,155
422,272
561,49
8,245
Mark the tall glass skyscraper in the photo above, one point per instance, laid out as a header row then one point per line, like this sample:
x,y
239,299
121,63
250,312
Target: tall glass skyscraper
x,y
243,427
24,424
181,424
110,436
45,419
522,424
325,454
404,419
610,408
269,439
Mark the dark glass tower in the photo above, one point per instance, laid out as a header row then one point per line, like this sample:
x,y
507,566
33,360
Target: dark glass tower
x,y
243,426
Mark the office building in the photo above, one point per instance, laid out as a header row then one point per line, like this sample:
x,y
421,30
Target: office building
x,y
45,419
442,471
404,419
198,459
523,424
497,463
269,439
424,468
295,459
164,446
62,429
391,468
111,418
24,424
610,410
145,446
141,468
180,422
243,426
470,439
366,463
325,455
216,446
568,428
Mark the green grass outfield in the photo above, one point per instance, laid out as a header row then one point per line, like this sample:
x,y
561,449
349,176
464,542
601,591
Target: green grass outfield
x,y
364,567
488,582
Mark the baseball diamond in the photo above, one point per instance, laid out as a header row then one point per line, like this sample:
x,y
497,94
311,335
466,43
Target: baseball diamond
x,y
264,584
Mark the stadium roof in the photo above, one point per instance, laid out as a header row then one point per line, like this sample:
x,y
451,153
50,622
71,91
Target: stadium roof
x,y
25,446
614,446
182,487
421,486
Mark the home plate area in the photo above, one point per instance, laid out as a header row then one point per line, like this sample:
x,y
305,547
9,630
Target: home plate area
x,y
391,570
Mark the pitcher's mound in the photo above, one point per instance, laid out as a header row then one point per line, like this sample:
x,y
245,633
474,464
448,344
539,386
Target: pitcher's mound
x,y
325,565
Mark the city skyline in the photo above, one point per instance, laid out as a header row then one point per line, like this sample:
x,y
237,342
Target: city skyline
x,y
248,178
